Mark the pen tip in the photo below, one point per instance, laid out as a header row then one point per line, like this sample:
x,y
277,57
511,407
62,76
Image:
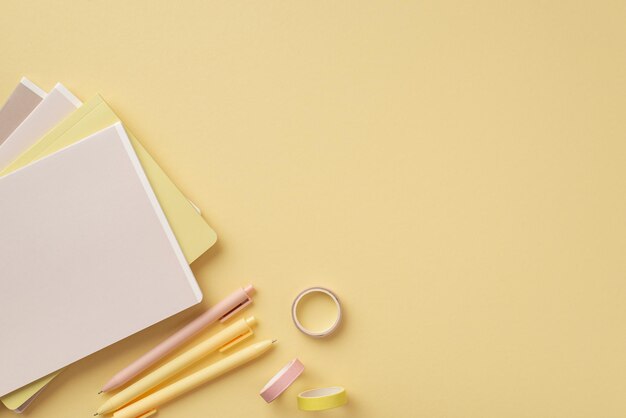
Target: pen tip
x,y
273,341
95,414
99,392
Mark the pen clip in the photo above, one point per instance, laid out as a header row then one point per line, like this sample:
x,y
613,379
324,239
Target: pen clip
x,y
236,341
236,309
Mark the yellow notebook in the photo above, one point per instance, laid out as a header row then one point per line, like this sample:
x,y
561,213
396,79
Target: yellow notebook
x,y
192,232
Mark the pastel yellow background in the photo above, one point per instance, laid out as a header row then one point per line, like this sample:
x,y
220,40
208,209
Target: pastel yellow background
x,y
454,170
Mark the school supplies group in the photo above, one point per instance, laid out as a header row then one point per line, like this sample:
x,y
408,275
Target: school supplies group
x,y
90,223
96,245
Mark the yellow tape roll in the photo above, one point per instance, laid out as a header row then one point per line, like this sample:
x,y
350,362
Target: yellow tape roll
x,y
323,398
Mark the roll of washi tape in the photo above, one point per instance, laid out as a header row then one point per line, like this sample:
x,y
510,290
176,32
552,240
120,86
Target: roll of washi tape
x,y
312,333
282,380
323,398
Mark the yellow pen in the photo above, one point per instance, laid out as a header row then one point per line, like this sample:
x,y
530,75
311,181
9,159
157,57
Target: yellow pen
x,y
223,340
147,404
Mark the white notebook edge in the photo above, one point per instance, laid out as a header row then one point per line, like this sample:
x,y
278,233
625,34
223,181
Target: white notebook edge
x,y
158,210
68,95
33,87
59,88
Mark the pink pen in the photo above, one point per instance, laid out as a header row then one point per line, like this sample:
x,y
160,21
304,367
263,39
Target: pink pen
x,y
222,311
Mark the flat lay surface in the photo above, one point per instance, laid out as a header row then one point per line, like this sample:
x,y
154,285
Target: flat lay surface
x,y
454,171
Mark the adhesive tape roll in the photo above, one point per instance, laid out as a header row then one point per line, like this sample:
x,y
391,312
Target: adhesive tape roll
x,y
282,380
312,333
322,399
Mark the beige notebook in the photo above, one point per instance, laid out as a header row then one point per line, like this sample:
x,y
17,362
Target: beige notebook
x,y
24,98
57,105
83,244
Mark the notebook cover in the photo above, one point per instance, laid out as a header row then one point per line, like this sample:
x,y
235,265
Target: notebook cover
x,y
101,237
20,409
22,398
24,98
58,104
194,235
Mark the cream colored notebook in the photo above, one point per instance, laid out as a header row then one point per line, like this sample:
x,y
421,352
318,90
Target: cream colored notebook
x,y
83,243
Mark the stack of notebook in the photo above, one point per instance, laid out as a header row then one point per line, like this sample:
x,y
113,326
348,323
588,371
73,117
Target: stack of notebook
x,y
96,239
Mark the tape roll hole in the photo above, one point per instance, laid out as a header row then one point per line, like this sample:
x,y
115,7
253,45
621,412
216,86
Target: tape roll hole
x,y
318,393
317,312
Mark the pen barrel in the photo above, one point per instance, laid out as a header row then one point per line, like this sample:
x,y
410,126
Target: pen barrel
x,y
177,339
191,382
177,365
161,350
